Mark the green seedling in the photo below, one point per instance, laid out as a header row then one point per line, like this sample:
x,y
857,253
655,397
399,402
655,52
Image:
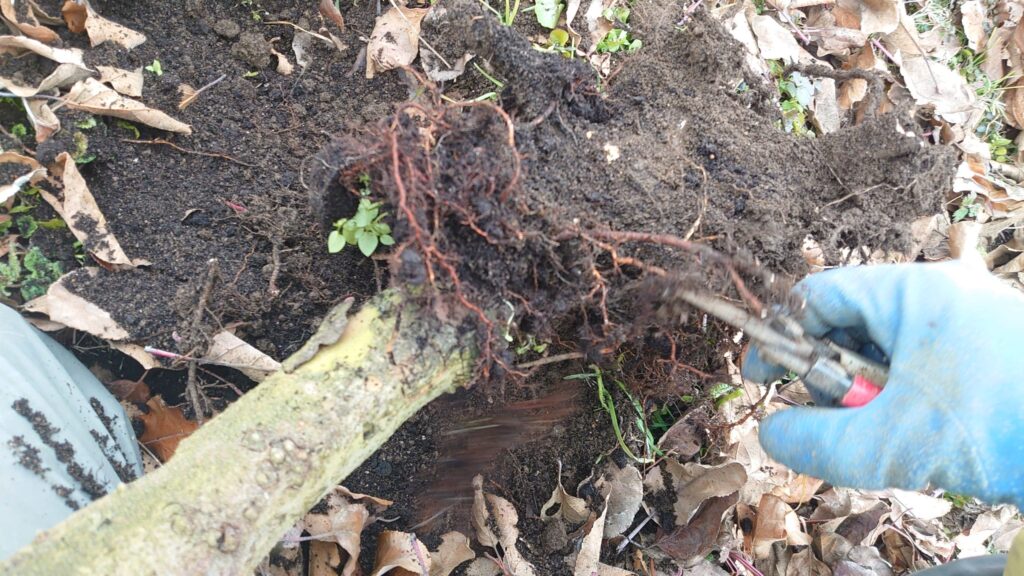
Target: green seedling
x,y
508,16
619,40
365,229
156,68
31,275
81,154
796,92
79,251
251,74
618,14
126,125
548,12
968,208
531,345
604,397
959,501
722,393
19,131
87,124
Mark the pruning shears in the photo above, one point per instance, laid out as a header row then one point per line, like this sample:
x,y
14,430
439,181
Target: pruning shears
x,y
836,372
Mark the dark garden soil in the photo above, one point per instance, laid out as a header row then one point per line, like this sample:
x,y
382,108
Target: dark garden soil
x,y
678,140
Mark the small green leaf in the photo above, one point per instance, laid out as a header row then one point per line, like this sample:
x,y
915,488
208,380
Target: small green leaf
x,y
365,217
155,68
335,242
86,124
250,74
340,223
349,233
635,45
367,242
558,37
27,225
386,239
548,12
53,224
19,131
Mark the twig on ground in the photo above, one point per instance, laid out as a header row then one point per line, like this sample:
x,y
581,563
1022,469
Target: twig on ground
x,y
192,391
162,142
551,360
275,256
186,102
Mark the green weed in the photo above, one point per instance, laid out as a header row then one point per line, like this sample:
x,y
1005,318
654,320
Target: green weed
x,y
619,40
548,12
155,68
31,274
126,125
508,15
365,229
607,401
796,92
968,208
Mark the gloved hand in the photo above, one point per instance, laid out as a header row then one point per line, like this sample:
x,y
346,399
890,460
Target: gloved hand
x,y
952,413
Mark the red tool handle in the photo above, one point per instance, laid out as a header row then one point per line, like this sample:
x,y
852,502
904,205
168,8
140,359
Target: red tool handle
x,y
860,393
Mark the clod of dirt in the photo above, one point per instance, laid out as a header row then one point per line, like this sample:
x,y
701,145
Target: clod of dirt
x,y
228,29
524,204
253,49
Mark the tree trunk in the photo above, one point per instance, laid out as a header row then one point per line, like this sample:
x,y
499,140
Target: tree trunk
x,y
235,486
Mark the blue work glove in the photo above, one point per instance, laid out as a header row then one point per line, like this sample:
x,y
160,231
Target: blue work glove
x,y
952,413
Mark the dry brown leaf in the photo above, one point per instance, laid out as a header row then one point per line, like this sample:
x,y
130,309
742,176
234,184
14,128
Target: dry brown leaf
x,y
837,40
697,537
343,521
1014,98
395,39
683,440
878,16
61,305
488,510
302,47
769,526
324,558
127,82
44,121
188,96
623,488
918,505
228,349
597,25
30,170
933,83
774,41
483,566
801,488
27,23
81,17
43,16
864,528
453,551
570,507
1000,523
803,563
964,240
70,66
973,19
130,390
695,483
79,210
400,553
92,96
589,556
284,67
854,90
899,551
166,426
329,11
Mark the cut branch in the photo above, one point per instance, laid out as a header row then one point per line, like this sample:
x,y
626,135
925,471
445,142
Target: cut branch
x,y
242,480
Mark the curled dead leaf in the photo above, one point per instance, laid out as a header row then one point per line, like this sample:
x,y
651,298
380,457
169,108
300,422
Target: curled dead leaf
x,y
570,507
70,66
27,23
623,489
44,121
92,96
329,11
933,83
79,210
696,483
489,510
59,304
452,553
229,350
395,39
81,17
697,537
127,82
342,522
166,427
400,553
30,173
